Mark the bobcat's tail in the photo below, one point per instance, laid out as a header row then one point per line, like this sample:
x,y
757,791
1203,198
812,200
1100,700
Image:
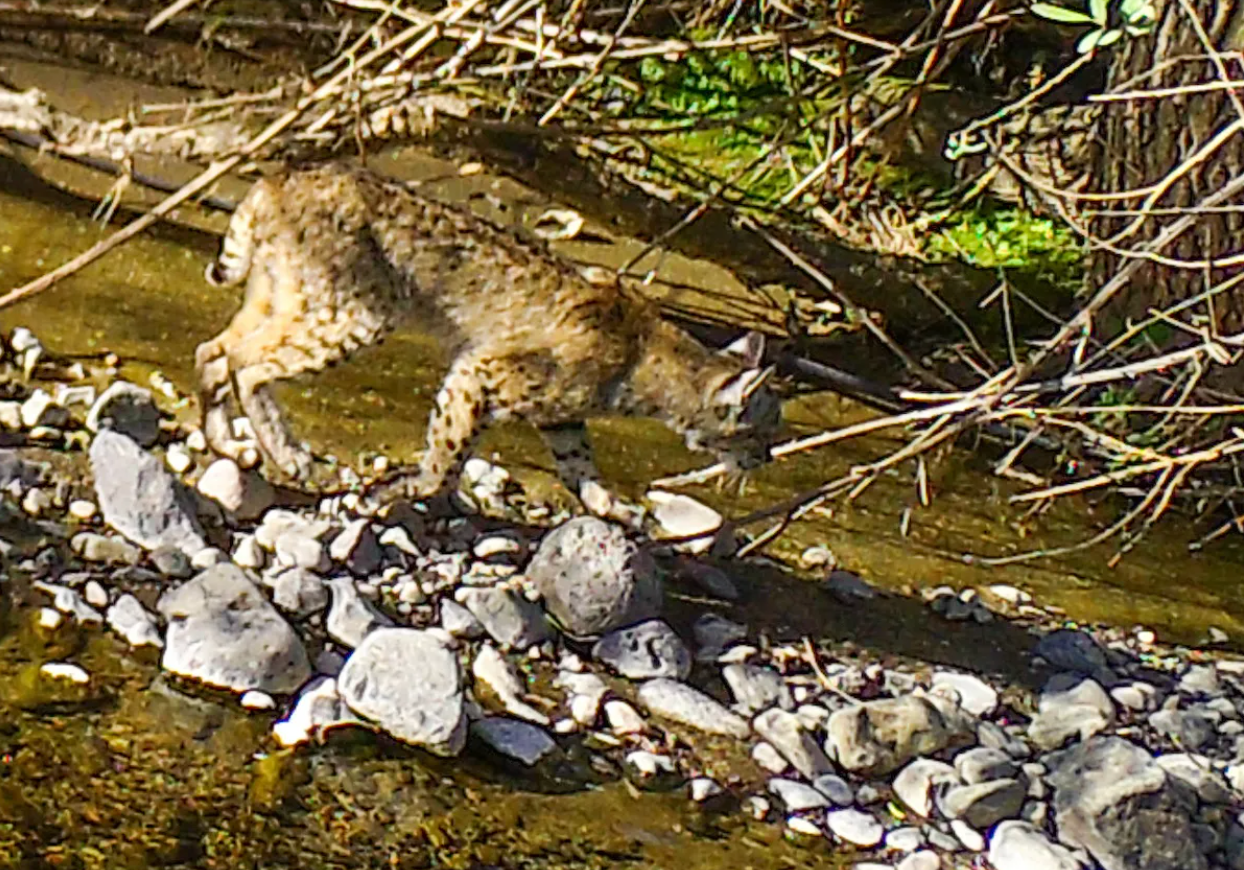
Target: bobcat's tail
x,y
234,262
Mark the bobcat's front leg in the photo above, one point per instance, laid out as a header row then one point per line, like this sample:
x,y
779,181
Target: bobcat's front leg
x,y
461,405
572,452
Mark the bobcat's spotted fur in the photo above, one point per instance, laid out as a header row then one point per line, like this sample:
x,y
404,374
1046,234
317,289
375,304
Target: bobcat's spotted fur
x,y
334,257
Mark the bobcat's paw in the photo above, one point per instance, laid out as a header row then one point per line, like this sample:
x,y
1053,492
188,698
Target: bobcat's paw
x,y
604,504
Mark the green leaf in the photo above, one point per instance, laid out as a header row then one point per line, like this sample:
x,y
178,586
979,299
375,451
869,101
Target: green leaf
x,y
1098,11
1131,10
1143,18
1060,14
1109,38
1088,42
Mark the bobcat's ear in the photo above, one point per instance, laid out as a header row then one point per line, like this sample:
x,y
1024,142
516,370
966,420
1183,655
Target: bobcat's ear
x,y
749,348
740,389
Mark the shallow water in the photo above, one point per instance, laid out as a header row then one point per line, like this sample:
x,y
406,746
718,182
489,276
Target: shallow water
x,y
149,305
148,776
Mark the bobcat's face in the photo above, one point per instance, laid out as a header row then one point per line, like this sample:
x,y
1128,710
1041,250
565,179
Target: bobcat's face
x,y
739,420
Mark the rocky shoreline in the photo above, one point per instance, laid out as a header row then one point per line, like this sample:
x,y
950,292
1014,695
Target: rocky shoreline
x,y
547,644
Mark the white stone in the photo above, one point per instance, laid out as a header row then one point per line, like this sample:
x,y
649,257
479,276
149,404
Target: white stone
x,y
855,826
971,838
177,458
410,684
623,718
256,700
96,595
1010,594
244,494
767,756
803,825
973,694
682,516
248,554
65,671
1015,845
649,763
319,708
495,545
924,859
701,788
82,509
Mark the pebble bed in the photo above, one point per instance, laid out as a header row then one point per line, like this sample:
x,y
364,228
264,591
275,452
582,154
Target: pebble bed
x,y
456,634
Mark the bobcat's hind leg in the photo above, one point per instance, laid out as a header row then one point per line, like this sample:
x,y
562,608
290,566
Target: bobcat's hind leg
x,y
215,387
255,397
572,452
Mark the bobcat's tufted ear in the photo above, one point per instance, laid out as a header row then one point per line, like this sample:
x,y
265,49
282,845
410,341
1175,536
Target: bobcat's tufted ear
x,y
739,390
749,348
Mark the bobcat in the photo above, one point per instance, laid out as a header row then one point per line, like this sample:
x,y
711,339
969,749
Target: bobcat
x,y
333,257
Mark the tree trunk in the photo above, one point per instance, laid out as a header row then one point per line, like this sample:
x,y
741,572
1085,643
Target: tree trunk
x,y
1144,140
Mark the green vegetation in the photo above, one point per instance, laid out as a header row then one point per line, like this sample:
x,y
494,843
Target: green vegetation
x,y
749,121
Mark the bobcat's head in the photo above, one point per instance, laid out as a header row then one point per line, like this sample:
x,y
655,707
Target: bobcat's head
x,y
740,415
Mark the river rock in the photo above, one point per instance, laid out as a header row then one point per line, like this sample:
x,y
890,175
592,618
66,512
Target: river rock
x,y
139,498
593,578
983,763
855,826
18,471
510,620
972,693
128,618
649,649
681,516
1020,846
244,494
351,617
409,684
1112,799
298,546
298,592
128,409
1200,680
514,738
908,838
917,783
1075,651
41,410
797,796
357,548
458,621
922,859
783,730
834,787
622,718
880,736
171,562
1189,729
1082,710
319,708
109,549
755,688
984,803
494,669
1199,774
681,703
586,692
223,631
